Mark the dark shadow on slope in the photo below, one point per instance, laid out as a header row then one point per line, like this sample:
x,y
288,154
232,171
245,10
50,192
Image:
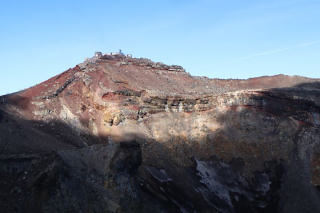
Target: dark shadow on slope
x,y
52,167
315,85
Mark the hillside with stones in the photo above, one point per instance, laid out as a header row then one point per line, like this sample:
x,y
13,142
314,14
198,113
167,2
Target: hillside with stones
x,y
123,134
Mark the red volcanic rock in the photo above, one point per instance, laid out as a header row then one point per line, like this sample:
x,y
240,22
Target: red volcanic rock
x,y
122,134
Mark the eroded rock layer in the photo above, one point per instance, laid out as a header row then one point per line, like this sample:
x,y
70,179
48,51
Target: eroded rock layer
x,y
120,134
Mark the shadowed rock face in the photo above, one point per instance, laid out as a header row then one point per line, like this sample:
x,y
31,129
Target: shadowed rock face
x,y
120,134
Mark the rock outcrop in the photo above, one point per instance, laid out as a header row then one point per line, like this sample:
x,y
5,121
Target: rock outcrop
x,y
121,134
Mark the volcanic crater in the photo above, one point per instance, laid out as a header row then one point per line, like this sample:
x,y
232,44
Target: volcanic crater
x,y
123,134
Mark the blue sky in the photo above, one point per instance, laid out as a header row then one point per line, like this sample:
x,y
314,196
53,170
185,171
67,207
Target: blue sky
x,y
218,39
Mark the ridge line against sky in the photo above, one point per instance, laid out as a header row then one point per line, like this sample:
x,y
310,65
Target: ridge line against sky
x,y
213,38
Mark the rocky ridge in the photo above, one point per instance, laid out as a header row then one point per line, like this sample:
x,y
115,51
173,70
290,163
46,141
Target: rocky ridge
x,y
138,135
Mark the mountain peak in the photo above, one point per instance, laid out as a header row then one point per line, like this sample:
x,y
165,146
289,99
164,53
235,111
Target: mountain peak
x,y
116,123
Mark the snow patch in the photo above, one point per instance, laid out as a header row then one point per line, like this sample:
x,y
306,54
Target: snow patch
x,y
210,178
316,118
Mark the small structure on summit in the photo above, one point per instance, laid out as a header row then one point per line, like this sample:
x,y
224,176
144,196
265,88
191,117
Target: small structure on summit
x,y
98,54
117,53
127,59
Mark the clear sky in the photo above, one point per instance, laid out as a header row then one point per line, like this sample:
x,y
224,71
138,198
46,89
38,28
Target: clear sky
x,y
214,38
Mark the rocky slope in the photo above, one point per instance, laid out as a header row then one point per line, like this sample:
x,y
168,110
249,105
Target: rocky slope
x,y
121,134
